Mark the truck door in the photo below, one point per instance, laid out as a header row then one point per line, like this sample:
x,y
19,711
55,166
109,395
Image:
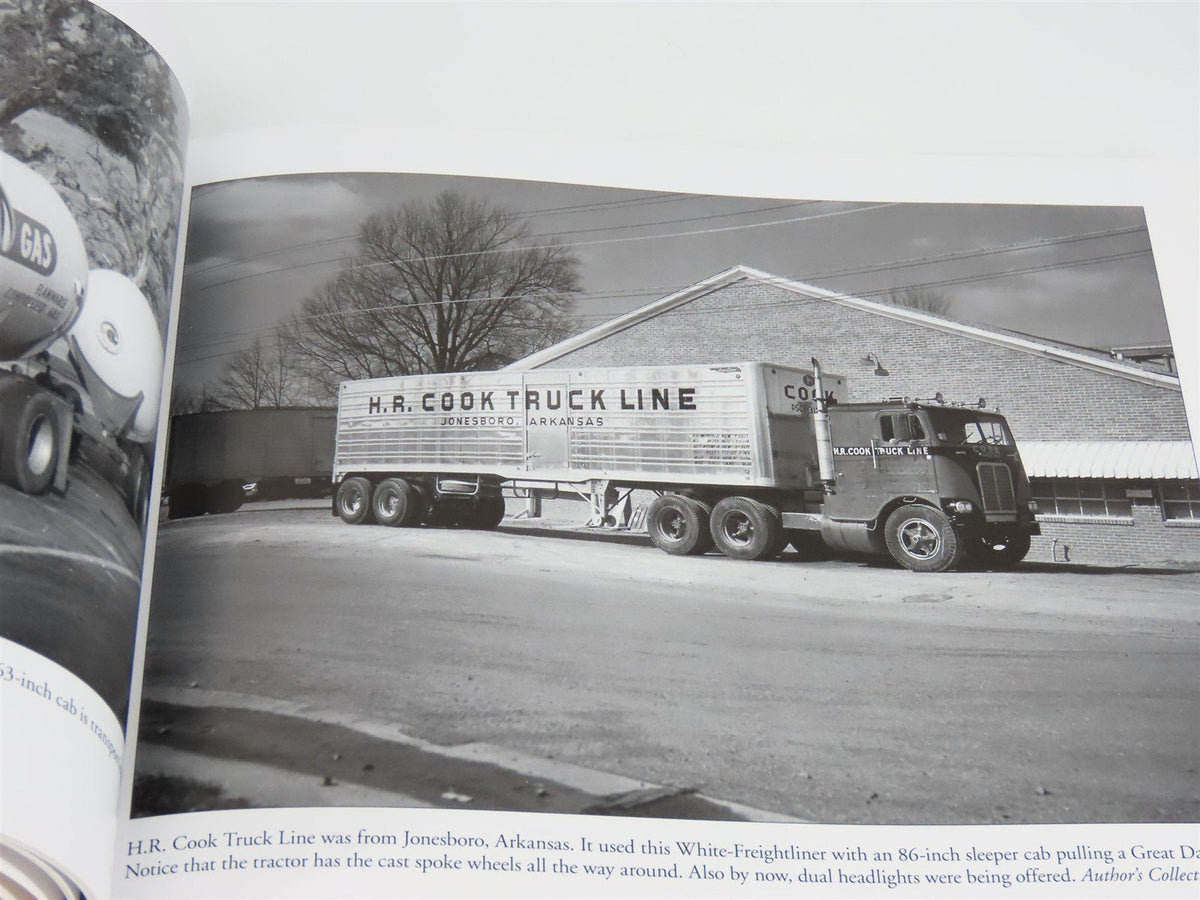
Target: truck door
x,y
904,466
546,430
877,456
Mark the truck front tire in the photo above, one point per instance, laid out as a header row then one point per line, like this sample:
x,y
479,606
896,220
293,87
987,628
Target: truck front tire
x,y
353,500
679,525
743,528
395,502
922,539
30,442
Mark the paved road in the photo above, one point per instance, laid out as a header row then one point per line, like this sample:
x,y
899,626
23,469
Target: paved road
x,y
70,575
836,692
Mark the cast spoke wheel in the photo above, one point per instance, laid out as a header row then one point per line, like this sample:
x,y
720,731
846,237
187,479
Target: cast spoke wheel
x,y
679,525
353,500
922,539
743,528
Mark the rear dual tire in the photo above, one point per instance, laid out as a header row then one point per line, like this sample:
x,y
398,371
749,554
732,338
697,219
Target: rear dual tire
x,y
743,528
353,501
395,502
679,525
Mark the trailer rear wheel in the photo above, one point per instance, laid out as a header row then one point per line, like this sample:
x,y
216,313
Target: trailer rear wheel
x,y
353,500
679,525
743,528
922,539
395,502
31,441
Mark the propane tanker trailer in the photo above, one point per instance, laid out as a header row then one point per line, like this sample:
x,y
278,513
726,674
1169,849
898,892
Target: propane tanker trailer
x,y
745,457
81,356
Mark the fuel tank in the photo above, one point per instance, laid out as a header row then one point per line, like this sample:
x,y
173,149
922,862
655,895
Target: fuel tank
x,y
118,350
43,263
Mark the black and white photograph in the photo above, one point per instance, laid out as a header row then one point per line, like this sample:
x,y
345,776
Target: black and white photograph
x,y
510,495
92,130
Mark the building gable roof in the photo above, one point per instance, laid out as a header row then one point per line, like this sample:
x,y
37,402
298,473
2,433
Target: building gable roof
x,y
1021,343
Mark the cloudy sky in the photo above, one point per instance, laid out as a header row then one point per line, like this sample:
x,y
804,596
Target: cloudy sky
x,y
257,248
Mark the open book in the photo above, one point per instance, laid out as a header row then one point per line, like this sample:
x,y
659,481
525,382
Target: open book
x,y
922,471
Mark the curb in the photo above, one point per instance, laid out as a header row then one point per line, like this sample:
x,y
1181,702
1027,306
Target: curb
x,y
597,792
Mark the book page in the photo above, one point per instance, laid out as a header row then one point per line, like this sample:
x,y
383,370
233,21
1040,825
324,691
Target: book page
x,y
623,706
446,709
92,133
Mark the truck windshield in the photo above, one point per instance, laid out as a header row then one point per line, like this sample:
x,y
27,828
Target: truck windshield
x,y
960,426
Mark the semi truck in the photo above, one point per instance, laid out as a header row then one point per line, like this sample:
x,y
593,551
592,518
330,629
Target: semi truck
x,y
217,459
744,457
81,356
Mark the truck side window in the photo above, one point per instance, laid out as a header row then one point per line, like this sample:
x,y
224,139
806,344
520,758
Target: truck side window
x,y
901,427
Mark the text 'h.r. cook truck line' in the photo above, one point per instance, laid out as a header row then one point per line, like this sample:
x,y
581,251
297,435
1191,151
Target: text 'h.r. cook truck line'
x,y
744,457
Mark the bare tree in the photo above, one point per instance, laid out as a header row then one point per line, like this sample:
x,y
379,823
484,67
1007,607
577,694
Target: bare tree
x,y
187,399
920,299
451,285
261,375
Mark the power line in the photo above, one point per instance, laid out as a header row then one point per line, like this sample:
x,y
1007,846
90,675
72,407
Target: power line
x,y
552,211
662,290
554,246
1112,257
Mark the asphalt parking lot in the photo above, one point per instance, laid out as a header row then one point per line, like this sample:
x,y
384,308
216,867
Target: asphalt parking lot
x,y
839,691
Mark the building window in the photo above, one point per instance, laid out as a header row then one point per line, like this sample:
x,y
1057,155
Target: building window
x,y
1090,498
1181,501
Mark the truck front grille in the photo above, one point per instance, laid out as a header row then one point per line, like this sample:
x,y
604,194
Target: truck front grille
x,y
996,488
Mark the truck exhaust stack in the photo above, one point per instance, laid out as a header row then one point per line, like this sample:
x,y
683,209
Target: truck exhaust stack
x,y
821,427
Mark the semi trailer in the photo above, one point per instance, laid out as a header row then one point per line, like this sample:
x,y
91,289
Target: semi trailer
x,y
742,457
81,356
216,460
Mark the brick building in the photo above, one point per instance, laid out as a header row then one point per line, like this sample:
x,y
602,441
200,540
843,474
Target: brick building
x,y
1105,441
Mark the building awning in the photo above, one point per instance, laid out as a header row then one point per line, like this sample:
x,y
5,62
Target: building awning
x,y
1108,459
